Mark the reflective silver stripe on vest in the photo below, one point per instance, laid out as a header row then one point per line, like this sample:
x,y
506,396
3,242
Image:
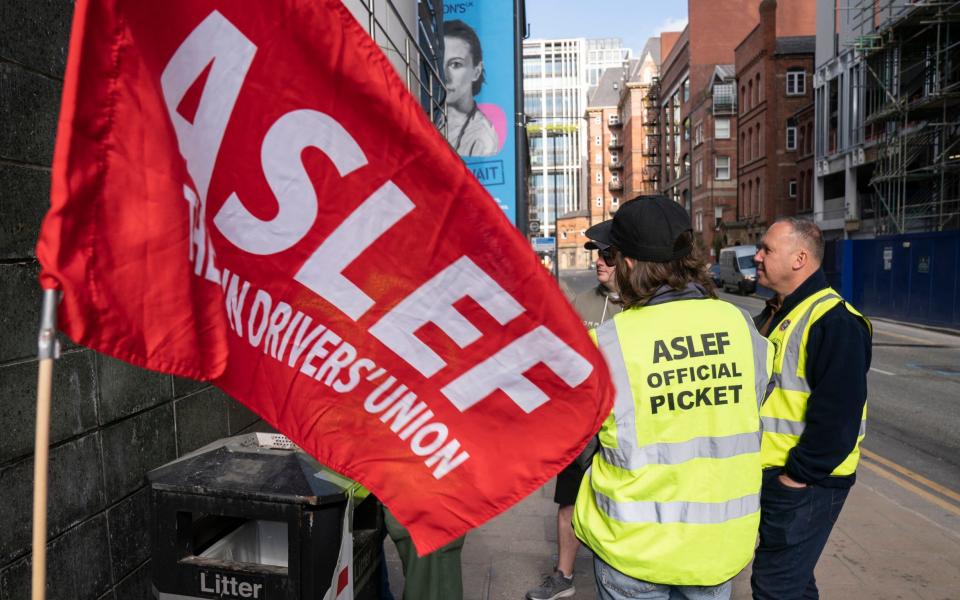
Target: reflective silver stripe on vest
x,y
760,348
627,455
674,453
774,425
623,409
788,378
701,513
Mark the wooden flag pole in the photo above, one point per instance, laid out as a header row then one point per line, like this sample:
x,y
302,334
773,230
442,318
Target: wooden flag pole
x,y
48,350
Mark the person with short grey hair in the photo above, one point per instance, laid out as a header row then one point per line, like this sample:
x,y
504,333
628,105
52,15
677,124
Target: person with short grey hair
x,y
815,419
808,234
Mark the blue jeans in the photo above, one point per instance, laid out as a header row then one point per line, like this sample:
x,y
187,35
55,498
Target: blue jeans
x,y
794,527
614,585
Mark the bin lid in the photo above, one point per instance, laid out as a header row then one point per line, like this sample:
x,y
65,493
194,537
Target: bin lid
x,y
255,466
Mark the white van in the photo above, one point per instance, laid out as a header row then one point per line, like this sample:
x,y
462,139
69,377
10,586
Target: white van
x,y
738,272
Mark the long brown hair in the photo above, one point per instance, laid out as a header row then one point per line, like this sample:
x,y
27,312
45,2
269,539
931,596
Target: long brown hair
x,y
638,284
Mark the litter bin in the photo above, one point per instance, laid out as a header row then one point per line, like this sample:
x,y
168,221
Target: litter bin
x,y
254,517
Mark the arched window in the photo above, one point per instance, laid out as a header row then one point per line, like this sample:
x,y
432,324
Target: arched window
x,y
686,164
749,207
749,94
759,151
757,90
743,99
750,143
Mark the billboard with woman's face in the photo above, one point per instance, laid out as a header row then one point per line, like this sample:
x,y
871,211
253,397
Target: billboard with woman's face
x,y
478,66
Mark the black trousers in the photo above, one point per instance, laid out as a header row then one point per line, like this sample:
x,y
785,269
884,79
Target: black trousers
x,y
794,527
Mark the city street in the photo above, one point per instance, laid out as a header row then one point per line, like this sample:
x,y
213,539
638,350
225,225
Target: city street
x,y
898,535
914,397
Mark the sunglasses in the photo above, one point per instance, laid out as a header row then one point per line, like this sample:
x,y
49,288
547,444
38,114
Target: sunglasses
x,y
608,256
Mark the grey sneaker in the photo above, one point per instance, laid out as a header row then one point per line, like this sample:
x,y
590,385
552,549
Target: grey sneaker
x,y
554,586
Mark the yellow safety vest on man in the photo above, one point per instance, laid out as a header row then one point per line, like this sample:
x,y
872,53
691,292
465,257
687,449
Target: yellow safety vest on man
x,y
673,495
783,414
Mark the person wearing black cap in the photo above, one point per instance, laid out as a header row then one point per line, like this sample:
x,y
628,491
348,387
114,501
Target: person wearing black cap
x,y
671,503
595,306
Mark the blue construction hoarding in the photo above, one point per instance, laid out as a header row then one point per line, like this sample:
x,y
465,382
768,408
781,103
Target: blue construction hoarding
x,y
912,277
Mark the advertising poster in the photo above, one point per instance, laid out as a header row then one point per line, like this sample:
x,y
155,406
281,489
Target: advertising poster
x,y
478,66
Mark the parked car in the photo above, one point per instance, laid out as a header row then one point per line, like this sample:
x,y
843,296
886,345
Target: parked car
x,y
738,272
714,271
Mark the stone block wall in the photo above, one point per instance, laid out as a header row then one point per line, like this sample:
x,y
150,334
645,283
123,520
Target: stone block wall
x,y
111,423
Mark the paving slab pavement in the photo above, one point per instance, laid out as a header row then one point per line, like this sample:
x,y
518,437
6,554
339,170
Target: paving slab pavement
x,y
889,544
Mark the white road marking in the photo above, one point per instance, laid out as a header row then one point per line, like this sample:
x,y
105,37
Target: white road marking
x,y
881,371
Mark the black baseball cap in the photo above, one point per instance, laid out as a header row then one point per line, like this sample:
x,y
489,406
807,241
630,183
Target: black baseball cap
x,y
646,228
602,230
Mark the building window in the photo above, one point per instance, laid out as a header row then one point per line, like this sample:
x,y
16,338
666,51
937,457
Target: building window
x,y
615,202
721,129
599,201
686,90
686,129
599,177
598,158
698,174
563,234
597,120
597,141
699,220
698,134
792,188
791,137
759,198
721,168
796,82
686,164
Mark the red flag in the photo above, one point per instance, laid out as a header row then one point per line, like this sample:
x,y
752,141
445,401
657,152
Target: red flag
x,y
246,193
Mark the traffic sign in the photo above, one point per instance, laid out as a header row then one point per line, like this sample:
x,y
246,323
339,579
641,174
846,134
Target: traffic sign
x,y
534,226
544,244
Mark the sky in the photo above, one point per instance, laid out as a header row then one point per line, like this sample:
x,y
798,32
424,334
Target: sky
x,y
631,20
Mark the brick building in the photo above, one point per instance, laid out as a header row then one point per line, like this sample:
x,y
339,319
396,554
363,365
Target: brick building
x,y
698,107
698,166
571,228
638,112
806,135
773,86
713,122
603,168
674,98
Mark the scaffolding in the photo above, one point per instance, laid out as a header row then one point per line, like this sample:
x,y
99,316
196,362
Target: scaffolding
x,y
911,58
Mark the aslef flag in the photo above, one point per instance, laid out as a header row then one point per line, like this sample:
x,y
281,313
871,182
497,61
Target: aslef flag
x,y
245,192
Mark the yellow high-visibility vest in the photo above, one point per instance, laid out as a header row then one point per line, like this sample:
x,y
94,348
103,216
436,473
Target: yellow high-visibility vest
x,y
783,415
673,495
